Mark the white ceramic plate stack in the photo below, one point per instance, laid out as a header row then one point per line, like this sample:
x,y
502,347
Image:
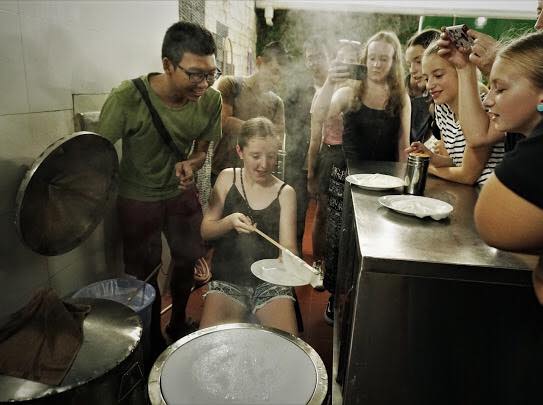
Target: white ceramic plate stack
x,y
417,206
375,181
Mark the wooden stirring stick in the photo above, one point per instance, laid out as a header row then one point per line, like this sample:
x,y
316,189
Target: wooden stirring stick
x,y
157,268
277,244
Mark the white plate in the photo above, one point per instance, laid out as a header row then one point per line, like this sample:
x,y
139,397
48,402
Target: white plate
x,y
273,271
375,181
417,206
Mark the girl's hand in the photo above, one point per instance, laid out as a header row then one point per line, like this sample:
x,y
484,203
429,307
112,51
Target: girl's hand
x,y
240,222
418,147
458,57
338,72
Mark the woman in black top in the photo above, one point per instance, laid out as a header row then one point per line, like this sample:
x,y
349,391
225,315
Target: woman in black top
x,y
509,211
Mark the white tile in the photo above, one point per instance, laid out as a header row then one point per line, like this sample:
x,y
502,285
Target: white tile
x,y
48,51
89,102
78,47
79,274
23,138
12,78
21,270
27,135
9,6
12,173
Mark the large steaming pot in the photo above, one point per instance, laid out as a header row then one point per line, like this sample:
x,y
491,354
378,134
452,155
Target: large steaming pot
x,y
106,370
238,364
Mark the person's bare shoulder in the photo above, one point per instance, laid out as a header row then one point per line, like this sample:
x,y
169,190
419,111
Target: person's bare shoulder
x,y
226,86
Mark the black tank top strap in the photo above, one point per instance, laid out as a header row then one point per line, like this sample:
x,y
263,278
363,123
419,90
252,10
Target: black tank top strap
x,y
234,181
280,189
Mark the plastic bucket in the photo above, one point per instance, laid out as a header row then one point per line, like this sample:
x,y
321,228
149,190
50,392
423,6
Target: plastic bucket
x,y
120,290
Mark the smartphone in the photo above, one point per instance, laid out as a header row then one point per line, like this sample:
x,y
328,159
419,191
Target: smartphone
x,y
357,72
458,34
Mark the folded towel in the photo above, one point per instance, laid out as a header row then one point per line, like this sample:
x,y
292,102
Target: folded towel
x,y
40,341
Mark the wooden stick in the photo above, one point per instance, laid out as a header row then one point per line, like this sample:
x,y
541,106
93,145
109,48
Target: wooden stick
x,y
155,270
169,307
273,242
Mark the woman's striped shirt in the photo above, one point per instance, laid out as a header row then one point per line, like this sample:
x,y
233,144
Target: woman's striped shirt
x,y
455,142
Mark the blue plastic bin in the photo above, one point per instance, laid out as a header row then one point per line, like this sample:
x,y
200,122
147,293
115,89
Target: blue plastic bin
x,y
120,290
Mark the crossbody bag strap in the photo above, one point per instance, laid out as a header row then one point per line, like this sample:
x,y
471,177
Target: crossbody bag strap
x,y
157,121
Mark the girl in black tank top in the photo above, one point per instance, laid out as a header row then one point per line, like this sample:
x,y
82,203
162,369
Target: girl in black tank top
x,y
235,252
242,198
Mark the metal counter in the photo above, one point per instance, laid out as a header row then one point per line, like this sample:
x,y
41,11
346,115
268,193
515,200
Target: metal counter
x,y
426,312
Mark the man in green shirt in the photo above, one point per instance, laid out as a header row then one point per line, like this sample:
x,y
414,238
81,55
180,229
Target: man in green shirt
x,y
157,192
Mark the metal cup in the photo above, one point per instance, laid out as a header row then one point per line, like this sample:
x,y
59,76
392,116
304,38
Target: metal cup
x,y
415,173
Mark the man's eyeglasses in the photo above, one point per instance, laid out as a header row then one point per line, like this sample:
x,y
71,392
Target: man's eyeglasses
x,y
198,77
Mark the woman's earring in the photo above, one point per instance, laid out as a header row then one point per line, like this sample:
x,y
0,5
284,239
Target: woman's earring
x,y
540,107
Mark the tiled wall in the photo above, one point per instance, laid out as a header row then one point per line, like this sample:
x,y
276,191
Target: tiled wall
x,y
240,19
49,51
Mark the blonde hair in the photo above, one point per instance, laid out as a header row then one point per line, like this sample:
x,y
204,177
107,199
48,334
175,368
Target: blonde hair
x,y
432,49
526,54
395,78
260,127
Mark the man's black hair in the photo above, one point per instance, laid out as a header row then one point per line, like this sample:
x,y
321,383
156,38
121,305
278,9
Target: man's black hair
x,y
275,50
184,37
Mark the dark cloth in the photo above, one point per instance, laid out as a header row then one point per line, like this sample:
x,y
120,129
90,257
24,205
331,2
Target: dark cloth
x,y
333,225
370,134
234,252
142,223
520,169
40,341
329,156
421,119
511,140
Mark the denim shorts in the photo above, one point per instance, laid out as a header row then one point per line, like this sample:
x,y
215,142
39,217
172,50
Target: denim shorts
x,y
252,298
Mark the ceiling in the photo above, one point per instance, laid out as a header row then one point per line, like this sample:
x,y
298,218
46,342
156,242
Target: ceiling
x,y
516,9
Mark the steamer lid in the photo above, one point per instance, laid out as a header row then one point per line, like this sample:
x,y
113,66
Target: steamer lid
x,y
238,364
64,194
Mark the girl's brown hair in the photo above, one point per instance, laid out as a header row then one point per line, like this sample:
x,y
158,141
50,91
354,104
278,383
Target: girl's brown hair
x,y
526,53
395,78
260,127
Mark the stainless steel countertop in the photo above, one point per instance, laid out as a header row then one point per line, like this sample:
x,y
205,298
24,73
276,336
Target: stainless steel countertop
x,y
451,248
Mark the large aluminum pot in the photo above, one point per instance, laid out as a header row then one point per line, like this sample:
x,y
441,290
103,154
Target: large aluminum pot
x,y
106,370
238,364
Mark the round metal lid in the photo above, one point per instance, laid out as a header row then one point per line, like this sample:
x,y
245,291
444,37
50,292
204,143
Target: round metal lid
x,y
111,333
238,364
64,194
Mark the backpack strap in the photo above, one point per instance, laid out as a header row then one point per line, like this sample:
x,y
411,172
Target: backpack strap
x,y
157,121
